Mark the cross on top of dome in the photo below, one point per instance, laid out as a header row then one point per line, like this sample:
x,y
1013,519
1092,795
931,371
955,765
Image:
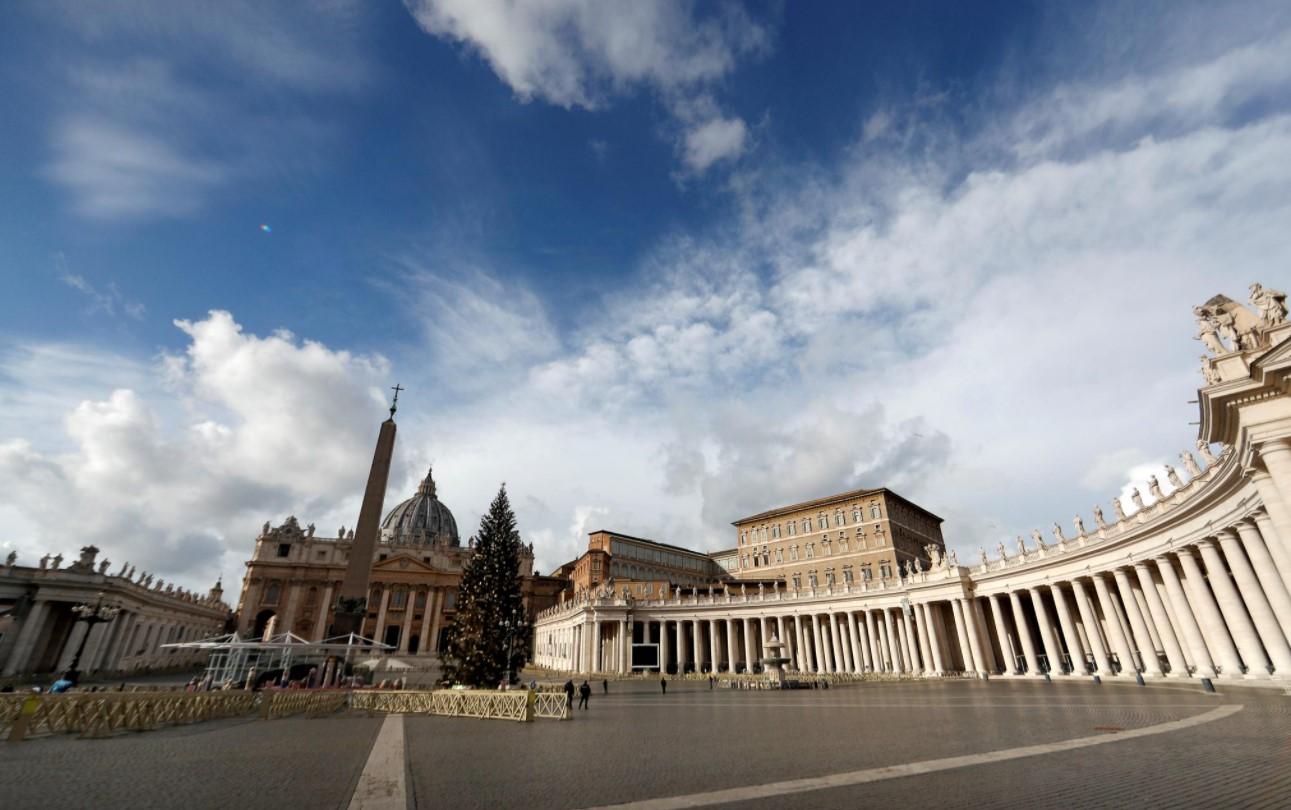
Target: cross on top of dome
x,y
428,483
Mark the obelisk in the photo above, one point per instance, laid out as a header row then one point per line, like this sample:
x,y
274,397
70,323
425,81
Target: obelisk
x,y
352,600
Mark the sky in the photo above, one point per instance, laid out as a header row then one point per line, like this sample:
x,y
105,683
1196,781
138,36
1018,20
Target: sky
x,y
653,265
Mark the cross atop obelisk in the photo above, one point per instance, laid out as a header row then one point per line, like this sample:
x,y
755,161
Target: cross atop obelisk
x,y
351,601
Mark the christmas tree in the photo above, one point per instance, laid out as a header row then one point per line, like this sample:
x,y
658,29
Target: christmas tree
x,y
490,619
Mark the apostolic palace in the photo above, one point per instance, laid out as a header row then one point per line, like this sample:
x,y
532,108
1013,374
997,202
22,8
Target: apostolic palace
x,y
1191,578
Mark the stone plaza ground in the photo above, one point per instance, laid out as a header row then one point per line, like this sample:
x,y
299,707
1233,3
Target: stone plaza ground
x,y
880,744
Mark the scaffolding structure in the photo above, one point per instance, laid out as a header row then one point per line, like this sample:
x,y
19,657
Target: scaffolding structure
x,y
233,660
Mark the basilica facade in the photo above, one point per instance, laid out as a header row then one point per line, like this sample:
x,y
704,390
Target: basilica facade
x,y
294,575
1190,579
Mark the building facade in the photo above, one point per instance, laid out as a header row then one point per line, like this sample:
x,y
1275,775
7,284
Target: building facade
x,y
1192,581
40,633
293,576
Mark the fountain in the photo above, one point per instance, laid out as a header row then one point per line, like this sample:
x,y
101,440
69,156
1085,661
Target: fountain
x,y
773,662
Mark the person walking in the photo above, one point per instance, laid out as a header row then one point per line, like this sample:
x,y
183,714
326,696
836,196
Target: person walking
x,y
663,684
605,685
569,693
710,682
584,692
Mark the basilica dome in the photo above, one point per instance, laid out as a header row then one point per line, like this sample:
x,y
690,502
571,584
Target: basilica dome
x,y
421,520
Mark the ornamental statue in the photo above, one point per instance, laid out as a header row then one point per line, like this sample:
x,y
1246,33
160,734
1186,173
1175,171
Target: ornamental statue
x,y
44,562
1039,539
952,558
918,566
1079,523
1003,554
1022,546
1118,509
1208,371
1173,477
1137,498
309,530
11,559
1190,464
1208,335
103,566
57,561
1270,304
1154,487
1057,533
1203,447
981,552
1099,520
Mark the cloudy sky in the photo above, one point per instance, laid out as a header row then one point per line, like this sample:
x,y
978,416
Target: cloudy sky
x,y
654,265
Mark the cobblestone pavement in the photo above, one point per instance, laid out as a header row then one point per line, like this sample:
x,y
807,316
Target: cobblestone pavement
x,y
242,763
637,744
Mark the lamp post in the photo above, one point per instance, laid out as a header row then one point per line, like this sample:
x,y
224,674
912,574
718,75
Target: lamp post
x,y
509,624
91,615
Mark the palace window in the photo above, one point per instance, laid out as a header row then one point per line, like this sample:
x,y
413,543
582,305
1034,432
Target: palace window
x,y
867,573
793,528
756,561
272,594
838,518
797,582
779,555
793,552
856,514
885,570
811,578
811,550
450,600
826,546
829,577
874,511
399,599
766,556
824,521
775,532
806,525
847,575
284,549
421,600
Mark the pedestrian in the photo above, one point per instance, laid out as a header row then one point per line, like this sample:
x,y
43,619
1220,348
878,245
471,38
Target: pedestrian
x,y
605,685
584,692
663,684
62,684
569,693
710,681
533,685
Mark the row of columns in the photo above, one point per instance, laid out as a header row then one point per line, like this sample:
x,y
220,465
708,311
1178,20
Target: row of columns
x,y
1221,606
428,630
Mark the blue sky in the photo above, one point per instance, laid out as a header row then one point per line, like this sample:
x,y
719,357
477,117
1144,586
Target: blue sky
x,y
656,265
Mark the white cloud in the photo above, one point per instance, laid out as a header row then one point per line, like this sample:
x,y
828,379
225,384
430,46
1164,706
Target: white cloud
x,y
580,53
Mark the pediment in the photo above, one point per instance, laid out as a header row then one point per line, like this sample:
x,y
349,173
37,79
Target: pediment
x,y
405,563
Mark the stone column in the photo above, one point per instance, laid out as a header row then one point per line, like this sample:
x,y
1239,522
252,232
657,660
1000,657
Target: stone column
x,y
405,633
820,645
664,648
925,648
787,650
1002,632
839,664
712,645
325,611
1279,549
94,646
64,659
697,644
1205,668
1218,638
961,632
732,644
934,637
1139,628
119,642
437,618
907,648
1234,611
378,635
860,661
1114,631
974,638
1267,573
1257,604
749,660
1051,649
983,634
1161,618
681,647
872,635
1275,490
625,647
1024,634
1068,626
890,641
423,633
800,660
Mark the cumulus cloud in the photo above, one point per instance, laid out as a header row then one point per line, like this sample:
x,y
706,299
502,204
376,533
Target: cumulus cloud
x,y
265,426
581,53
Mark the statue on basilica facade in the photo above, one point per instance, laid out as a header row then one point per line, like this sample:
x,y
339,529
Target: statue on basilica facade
x,y
1270,304
952,558
11,559
1173,477
103,566
264,531
1208,371
309,530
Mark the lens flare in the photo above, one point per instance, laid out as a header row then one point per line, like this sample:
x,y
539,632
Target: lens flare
x,y
266,228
